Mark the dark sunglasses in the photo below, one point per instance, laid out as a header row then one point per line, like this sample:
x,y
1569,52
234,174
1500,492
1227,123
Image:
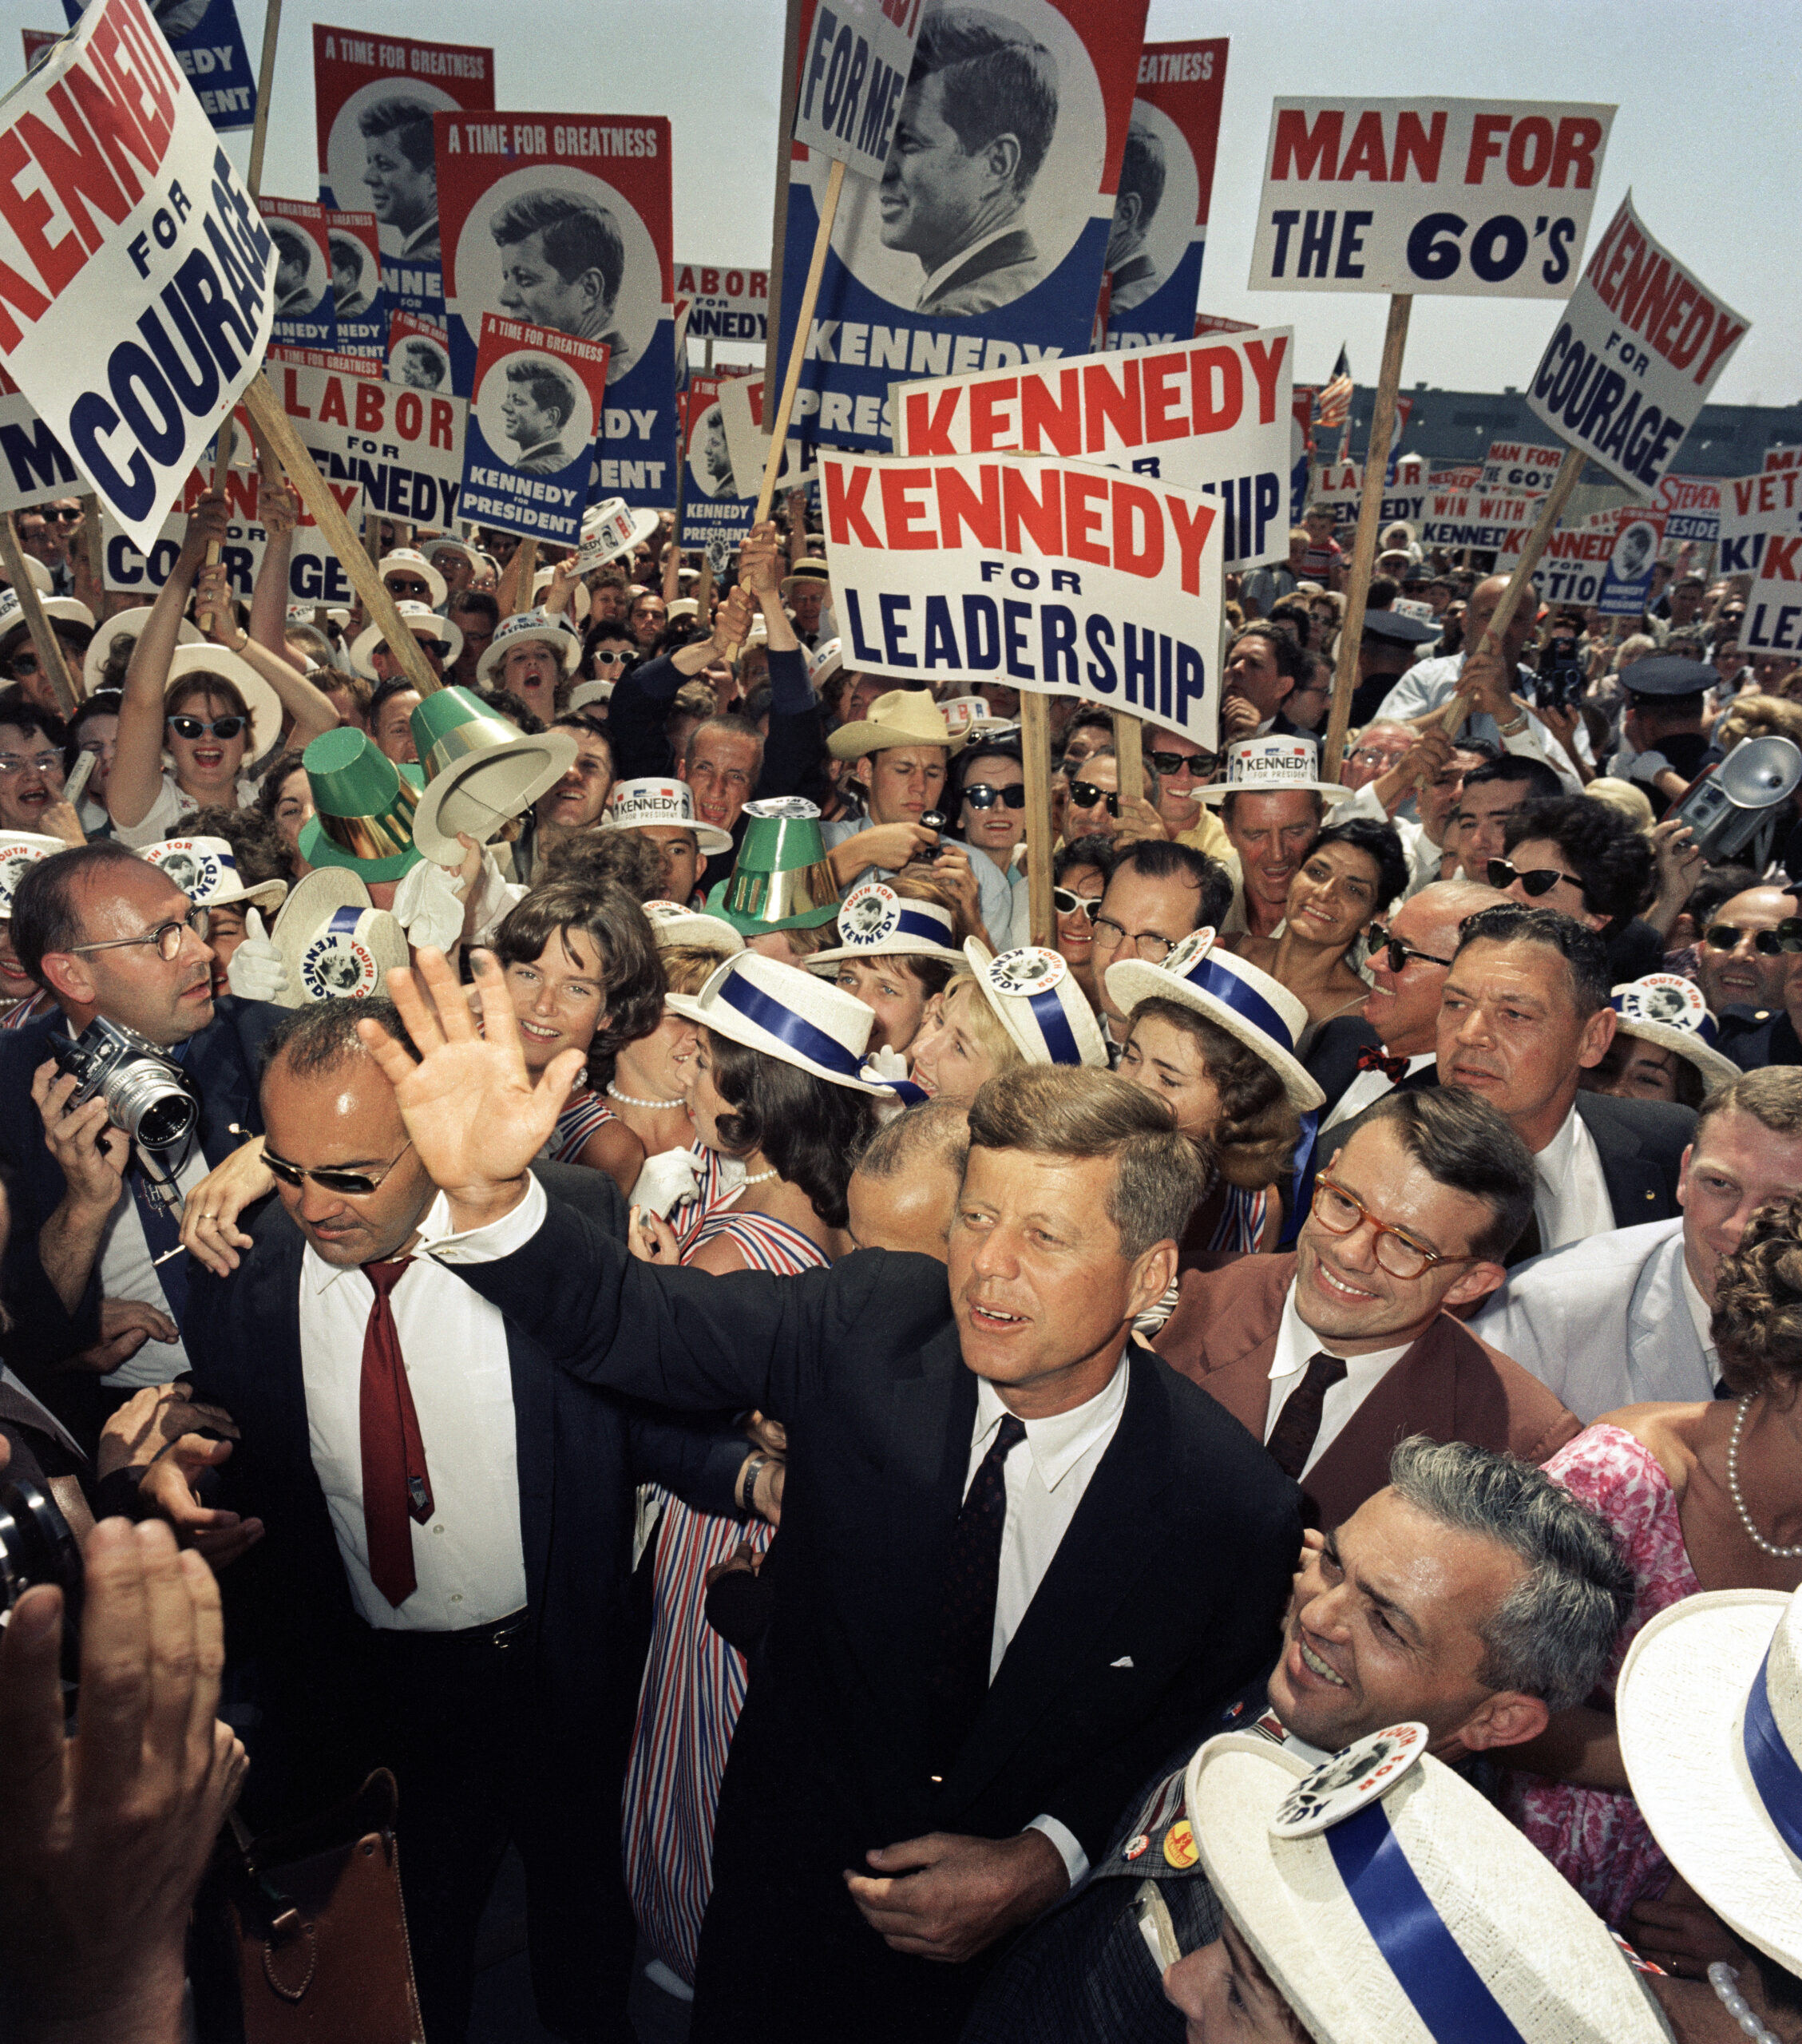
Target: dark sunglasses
x,y
1541,880
1085,794
980,795
1201,764
1069,904
408,586
1397,952
1769,943
191,727
354,1183
69,516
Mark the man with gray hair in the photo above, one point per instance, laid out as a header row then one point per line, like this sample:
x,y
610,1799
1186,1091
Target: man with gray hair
x,y
1474,1595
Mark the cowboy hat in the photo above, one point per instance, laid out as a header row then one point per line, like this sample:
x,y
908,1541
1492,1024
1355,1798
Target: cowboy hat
x,y
905,716
786,1014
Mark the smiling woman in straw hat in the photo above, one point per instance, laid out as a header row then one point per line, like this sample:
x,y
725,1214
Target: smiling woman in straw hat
x,y
1022,1008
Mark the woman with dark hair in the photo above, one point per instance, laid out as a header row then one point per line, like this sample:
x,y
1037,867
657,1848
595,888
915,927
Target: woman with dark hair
x,y
987,800
286,800
1584,858
1080,876
1347,877
583,968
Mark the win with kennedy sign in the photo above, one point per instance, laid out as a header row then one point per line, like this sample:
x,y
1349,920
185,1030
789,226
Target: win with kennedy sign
x,y
528,446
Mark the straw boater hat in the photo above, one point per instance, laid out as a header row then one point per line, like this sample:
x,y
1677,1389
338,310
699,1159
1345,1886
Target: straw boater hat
x,y
875,922
206,870
363,807
578,595
1236,996
480,771
786,1014
421,622
654,800
1390,1904
1670,1012
1709,1710
530,626
1273,767
125,624
682,607
1036,998
825,660
780,879
409,560
60,610
611,528
443,541
806,571
671,924
905,716
334,943
20,851
262,702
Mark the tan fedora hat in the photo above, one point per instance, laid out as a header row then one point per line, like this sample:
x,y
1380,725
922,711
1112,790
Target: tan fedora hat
x,y
905,716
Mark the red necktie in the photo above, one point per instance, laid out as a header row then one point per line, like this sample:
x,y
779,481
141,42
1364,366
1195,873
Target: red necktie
x,y
1370,1059
396,1487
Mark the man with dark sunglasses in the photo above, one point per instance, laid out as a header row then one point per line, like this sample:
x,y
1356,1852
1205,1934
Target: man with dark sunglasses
x,y
1740,961
1753,1038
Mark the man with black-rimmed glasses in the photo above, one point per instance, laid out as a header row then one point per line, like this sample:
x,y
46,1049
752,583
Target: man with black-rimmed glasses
x,y
1157,893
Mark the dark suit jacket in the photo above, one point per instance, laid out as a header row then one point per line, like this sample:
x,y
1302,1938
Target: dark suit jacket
x,y
581,1453
1166,1591
1449,1384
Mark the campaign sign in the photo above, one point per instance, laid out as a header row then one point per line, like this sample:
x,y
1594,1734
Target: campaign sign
x,y
978,249
726,302
209,46
1155,244
747,439
1340,485
34,464
1486,519
527,448
418,353
305,315
1485,198
1626,581
716,504
1210,415
134,224
1692,508
375,96
1635,353
315,574
403,447
1753,509
854,66
563,222
1063,577
1773,606
1574,563
1512,465
36,41
359,302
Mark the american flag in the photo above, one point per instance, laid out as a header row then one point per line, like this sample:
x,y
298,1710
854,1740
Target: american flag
x,y
1335,399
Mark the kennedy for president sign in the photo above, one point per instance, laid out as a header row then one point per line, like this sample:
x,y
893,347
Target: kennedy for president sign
x,y
1485,197
137,278
1059,576
534,416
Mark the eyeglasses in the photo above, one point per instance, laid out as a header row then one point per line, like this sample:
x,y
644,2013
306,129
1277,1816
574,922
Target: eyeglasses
x,y
1201,764
1085,794
408,585
1541,880
1397,952
166,937
354,1183
1769,943
1152,948
1379,755
193,727
69,515
22,663
1069,904
980,795
36,763
1339,1212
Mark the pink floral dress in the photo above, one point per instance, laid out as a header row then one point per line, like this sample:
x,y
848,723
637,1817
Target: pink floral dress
x,y
1595,1838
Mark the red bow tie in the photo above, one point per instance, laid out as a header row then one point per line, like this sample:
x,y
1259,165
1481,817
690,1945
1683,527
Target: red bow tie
x,y
1394,1069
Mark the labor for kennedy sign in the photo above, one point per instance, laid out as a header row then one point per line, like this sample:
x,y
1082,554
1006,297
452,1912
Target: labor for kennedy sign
x,y
135,226
1489,198
1210,415
1063,577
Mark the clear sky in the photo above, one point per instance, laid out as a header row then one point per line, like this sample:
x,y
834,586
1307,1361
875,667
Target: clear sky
x,y
1706,92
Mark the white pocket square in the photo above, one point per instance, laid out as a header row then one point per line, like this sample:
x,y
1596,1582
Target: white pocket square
x,y
1125,1661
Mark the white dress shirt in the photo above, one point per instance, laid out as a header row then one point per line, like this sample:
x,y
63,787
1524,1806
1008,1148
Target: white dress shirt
x,y
469,1557
128,1272
1571,1197
1368,1087
1296,1345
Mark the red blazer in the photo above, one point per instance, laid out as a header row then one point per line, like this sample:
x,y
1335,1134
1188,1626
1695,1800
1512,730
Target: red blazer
x,y
1449,1384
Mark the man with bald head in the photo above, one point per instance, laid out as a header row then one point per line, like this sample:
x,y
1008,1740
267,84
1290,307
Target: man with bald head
x,y
1739,978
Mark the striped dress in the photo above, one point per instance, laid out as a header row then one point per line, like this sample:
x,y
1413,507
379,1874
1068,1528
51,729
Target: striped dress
x,y
694,1683
23,1011
578,1120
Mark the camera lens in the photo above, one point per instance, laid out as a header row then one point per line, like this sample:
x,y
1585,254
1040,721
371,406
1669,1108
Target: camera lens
x,y
37,1546
934,819
145,1098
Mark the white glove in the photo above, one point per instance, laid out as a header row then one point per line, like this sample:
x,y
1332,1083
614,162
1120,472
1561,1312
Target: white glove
x,y
254,971
666,1180
887,1065
426,907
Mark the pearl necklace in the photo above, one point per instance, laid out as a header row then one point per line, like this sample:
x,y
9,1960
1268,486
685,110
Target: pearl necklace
x,y
1725,1982
631,1100
758,1178
1752,1532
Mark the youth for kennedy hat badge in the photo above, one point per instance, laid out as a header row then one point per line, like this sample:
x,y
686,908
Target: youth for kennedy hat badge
x,y
870,914
1026,971
1340,1787
1665,997
188,865
338,965
1195,946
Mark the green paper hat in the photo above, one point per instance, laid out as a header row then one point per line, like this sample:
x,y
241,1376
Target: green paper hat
x,y
480,771
781,880
363,806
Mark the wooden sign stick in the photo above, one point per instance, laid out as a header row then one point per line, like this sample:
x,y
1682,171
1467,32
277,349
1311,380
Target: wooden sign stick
x,y
1129,756
797,349
43,632
1035,755
265,78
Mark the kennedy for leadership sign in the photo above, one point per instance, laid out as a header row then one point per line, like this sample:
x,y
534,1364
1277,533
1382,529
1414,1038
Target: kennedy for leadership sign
x,y
981,244
1061,577
137,278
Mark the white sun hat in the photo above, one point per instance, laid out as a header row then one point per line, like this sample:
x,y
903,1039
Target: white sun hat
x,y
786,1014
421,621
875,922
20,851
1709,1710
262,702
578,595
1036,998
1273,767
529,626
206,870
63,610
1234,996
825,660
652,799
1390,1904
585,694
1669,1011
126,625
409,560
333,941
671,924
682,607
